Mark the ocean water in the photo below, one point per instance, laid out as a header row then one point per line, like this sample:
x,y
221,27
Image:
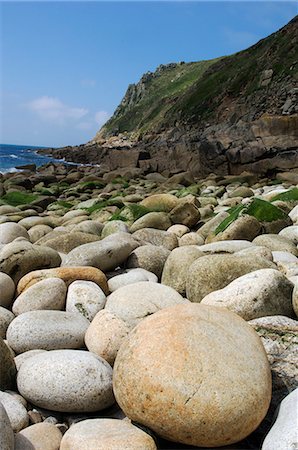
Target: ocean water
x,y
18,155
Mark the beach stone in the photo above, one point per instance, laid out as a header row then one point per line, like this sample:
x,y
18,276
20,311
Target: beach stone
x,y
6,317
40,436
19,258
7,367
265,292
283,434
6,434
293,214
160,202
47,330
106,254
67,274
258,251
114,226
67,241
241,191
89,226
156,220
185,213
176,267
149,257
38,231
16,412
212,386
295,296
19,359
178,229
232,246
49,293
7,288
10,231
136,301
244,228
86,298
276,243
8,209
211,225
279,336
212,272
191,239
159,238
131,276
290,233
73,214
31,221
106,434
105,335
67,381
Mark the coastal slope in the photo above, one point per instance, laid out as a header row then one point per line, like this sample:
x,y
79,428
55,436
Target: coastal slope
x,y
225,115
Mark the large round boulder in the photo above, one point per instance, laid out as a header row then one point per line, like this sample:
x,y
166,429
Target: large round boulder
x,y
194,374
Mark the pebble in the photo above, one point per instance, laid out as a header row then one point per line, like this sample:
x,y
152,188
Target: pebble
x,y
86,298
212,386
276,243
156,237
67,381
47,330
7,367
19,359
6,317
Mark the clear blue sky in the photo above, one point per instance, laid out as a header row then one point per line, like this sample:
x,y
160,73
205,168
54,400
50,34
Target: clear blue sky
x,y
65,66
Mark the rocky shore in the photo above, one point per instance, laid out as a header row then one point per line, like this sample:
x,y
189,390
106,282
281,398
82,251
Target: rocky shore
x,y
147,310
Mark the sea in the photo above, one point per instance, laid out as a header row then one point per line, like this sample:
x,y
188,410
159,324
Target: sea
x,y
18,155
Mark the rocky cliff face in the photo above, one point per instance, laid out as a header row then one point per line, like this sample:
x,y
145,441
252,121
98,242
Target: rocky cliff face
x,y
225,116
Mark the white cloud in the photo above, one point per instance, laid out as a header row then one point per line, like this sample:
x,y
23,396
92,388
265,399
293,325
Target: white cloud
x,y
87,82
101,117
53,109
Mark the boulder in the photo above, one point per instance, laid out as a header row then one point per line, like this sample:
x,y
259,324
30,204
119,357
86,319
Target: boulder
x,y
19,258
136,301
86,298
149,257
67,381
265,292
106,254
6,317
276,243
103,434
131,276
45,436
7,367
67,274
176,266
7,288
6,435
212,272
9,231
16,412
49,293
283,434
212,386
160,238
48,330
66,242
160,202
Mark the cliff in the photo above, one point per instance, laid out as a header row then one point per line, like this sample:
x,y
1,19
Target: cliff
x,y
226,115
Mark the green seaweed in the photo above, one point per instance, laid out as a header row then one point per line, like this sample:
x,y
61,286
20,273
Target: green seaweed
x,y
16,198
288,196
233,215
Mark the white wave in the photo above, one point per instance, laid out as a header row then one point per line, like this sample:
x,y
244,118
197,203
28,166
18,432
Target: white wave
x,y
13,156
10,169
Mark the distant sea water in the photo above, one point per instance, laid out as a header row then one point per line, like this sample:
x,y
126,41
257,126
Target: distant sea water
x,y
19,155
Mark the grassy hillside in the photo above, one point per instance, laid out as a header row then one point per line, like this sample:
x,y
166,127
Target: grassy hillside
x,y
193,92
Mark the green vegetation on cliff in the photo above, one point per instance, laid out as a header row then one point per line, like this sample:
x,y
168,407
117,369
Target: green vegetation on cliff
x,y
196,92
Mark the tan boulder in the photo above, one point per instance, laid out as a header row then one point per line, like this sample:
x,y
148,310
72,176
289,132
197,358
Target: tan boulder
x,y
67,274
212,385
160,202
40,436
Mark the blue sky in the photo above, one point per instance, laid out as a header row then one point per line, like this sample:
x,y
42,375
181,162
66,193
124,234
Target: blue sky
x,y
65,66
